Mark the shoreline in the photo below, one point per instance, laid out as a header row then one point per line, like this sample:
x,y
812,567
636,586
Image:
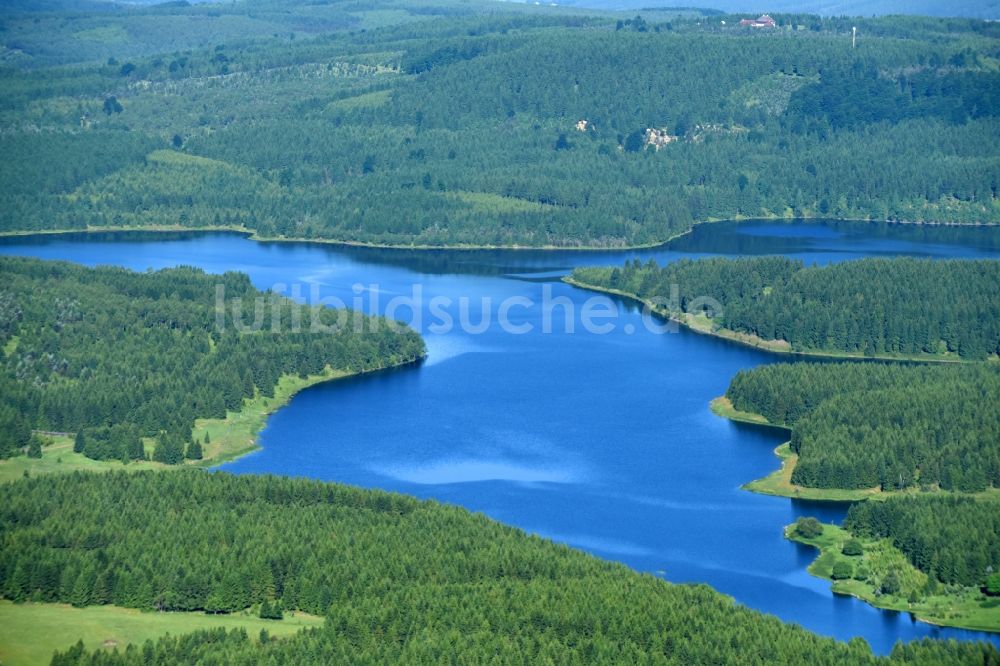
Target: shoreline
x,y
254,236
231,437
778,483
249,421
747,340
829,545
250,234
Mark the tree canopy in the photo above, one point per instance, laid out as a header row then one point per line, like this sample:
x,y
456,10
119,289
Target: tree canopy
x,y
465,128
402,581
952,539
862,425
874,307
116,355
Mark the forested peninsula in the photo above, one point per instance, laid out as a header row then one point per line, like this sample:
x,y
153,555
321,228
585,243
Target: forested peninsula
x,y
877,427
884,308
130,367
481,124
920,444
401,581
934,556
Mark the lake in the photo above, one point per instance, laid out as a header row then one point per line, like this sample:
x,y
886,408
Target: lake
x,y
598,435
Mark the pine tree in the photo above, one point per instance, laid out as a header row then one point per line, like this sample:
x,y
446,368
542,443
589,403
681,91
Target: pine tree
x,y
169,450
34,447
193,450
136,450
80,442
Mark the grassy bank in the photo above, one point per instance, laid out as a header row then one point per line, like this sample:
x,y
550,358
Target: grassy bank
x,y
703,325
952,606
253,235
229,438
31,632
153,228
779,482
721,406
236,435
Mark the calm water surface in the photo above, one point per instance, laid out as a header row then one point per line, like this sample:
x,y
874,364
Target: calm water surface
x,y
602,441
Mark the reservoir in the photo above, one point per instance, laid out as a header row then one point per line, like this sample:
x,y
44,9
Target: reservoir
x,y
601,439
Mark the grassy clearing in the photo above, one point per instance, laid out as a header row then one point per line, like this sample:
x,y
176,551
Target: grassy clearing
x,y
935,603
11,346
369,100
111,34
229,438
770,92
175,158
31,632
58,458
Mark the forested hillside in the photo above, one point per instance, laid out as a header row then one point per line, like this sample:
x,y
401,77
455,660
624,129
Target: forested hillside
x,y
116,355
861,425
874,307
953,540
402,581
489,124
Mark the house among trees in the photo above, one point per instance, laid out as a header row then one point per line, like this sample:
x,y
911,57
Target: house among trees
x,y
658,138
764,21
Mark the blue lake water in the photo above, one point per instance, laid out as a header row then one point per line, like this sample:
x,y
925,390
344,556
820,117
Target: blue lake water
x,y
602,440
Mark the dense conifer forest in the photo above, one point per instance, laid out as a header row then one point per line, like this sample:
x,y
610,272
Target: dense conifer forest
x,y
875,307
114,355
952,539
862,425
401,581
488,124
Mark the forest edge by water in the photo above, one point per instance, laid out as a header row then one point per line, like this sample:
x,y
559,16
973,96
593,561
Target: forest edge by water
x,y
703,325
253,235
850,573
966,609
228,439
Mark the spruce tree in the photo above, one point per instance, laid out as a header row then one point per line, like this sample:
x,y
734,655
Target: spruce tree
x,y
136,450
169,450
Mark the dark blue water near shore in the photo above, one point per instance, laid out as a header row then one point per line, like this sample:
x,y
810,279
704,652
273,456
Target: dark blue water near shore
x,y
604,441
